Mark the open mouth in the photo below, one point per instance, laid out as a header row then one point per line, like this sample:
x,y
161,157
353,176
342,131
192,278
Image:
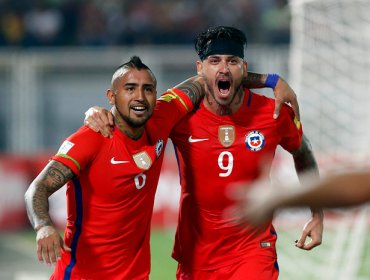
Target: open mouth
x,y
223,87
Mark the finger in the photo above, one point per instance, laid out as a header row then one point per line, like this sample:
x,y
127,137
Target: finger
x,y
301,242
91,126
66,248
58,251
52,254
39,253
110,118
47,253
310,245
101,121
103,116
278,105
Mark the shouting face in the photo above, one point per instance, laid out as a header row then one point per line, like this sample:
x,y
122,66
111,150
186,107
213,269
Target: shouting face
x,y
223,75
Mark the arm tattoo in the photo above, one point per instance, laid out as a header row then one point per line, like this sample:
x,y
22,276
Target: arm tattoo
x,y
194,90
254,80
304,159
304,162
51,179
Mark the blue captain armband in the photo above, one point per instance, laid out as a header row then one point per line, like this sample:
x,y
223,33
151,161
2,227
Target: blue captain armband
x,y
271,80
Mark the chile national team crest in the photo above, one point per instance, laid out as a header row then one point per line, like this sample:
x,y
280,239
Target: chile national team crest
x,y
255,141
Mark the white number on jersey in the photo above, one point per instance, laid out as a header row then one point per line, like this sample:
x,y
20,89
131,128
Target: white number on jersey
x,y
140,180
229,166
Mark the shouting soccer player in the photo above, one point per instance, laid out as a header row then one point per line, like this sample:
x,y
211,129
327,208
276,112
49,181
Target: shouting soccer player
x,y
111,182
226,140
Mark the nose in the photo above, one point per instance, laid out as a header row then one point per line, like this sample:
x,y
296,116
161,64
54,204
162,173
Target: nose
x,y
224,67
140,95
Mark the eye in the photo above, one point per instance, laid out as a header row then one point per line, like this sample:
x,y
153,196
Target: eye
x,y
213,60
234,61
130,88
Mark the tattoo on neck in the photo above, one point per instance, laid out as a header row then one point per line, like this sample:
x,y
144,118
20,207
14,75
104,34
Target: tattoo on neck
x,y
224,110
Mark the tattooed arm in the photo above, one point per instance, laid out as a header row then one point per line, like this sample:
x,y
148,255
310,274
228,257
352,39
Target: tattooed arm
x,y
48,240
305,162
282,91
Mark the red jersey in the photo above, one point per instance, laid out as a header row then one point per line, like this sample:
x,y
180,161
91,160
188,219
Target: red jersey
x,y
214,151
110,200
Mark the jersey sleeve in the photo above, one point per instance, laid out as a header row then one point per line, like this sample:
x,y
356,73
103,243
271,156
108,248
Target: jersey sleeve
x,y
290,129
170,108
179,100
79,149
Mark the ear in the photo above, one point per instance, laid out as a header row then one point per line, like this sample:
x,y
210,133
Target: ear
x,y
245,66
111,97
199,65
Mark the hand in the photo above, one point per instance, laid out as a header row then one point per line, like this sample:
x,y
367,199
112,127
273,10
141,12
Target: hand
x,y
49,244
100,120
284,93
312,229
254,202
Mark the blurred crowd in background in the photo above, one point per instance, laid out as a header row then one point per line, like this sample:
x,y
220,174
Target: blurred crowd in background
x,y
30,23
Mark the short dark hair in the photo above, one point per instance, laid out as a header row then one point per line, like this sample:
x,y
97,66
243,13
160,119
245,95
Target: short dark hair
x,y
134,63
227,33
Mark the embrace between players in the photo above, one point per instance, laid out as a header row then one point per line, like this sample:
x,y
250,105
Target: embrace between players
x,y
222,132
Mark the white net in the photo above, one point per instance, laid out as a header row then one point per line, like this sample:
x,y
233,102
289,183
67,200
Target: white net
x,y
330,72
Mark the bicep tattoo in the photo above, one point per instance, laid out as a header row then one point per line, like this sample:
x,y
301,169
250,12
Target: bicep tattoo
x,y
254,80
304,158
194,90
54,176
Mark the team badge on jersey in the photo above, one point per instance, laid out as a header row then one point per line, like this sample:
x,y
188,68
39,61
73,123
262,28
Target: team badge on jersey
x,y
142,160
255,141
226,135
159,147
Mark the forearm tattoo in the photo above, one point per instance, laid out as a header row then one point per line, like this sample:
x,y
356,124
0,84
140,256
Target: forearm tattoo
x,y
254,80
51,179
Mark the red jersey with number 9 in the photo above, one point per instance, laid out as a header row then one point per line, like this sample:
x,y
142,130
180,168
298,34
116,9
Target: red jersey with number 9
x,y
213,152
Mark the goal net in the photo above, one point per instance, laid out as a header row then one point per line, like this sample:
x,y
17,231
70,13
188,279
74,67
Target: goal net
x,y
330,72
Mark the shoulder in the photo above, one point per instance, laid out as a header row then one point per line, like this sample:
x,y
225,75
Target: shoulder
x,y
259,100
85,135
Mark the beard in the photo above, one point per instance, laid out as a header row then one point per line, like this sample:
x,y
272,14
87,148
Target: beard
x,y
134,123
237,92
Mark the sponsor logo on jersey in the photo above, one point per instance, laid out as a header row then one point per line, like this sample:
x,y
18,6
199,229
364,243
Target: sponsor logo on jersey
x,y
255,141
142,160
194,140
113,161
65,147
159,147
226,135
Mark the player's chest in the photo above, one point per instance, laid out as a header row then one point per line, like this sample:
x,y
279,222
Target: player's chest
x,y
120,169
205,137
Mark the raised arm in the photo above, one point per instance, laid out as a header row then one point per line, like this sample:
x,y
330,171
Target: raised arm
x,y
48,240
282,91
305,162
